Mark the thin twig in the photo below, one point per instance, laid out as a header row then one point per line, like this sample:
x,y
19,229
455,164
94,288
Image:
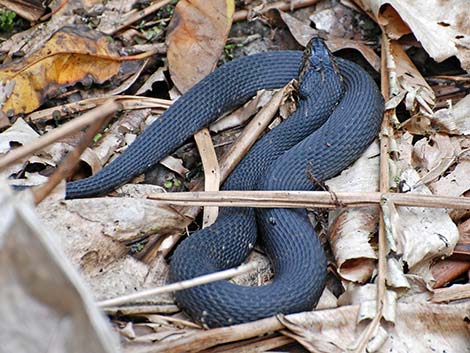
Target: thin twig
x,y
128,103
250,134
303,199
242,15
102,115
257,344
384,180
139,15
213,277
66,129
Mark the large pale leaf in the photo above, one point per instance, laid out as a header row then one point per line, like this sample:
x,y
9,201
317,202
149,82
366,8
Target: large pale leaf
x,y
442,27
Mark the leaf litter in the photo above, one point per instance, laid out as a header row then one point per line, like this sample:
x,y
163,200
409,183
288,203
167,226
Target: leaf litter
x,y
118,243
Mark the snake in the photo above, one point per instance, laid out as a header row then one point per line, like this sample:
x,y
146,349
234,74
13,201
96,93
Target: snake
x,y
338,116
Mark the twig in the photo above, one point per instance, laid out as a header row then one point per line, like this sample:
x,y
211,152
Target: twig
x,y
66,129
383,188
127,102
199,340
384,180
250,134
213,277
137,16
456,292
242,15
303,199
258,344
102,115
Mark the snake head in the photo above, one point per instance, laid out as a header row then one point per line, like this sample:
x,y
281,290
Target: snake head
x,y
317,60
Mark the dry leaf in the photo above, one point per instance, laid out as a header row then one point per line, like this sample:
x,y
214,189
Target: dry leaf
x,y
31,10
196,38
157,76
175,165
424,327
438,155
70,56
211,172
19,134
442,27
457,182
116,137
351,229
420,233
434,156
454,120
110,223
406,81
366,297
45,306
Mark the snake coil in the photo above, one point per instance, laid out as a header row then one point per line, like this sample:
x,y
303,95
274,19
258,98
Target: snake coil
x,y
338,116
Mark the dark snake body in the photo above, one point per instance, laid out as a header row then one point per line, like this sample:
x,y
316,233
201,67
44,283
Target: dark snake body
x,y
337,118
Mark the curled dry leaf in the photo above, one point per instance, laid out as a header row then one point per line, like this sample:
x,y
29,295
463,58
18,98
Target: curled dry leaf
x,y
434,156
157,76
175,165
69,56
352,229
420,234
336,330
442,27
366,297
196,38
406,81
454,120
20,133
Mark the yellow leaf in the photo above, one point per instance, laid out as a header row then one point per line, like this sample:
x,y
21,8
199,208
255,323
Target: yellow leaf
x,y
69,56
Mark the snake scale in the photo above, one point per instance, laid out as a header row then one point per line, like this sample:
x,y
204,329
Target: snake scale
x,y
339,114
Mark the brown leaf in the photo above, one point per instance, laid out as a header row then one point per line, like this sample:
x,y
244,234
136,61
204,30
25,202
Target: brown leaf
x,y
440,26
70,55
196,38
